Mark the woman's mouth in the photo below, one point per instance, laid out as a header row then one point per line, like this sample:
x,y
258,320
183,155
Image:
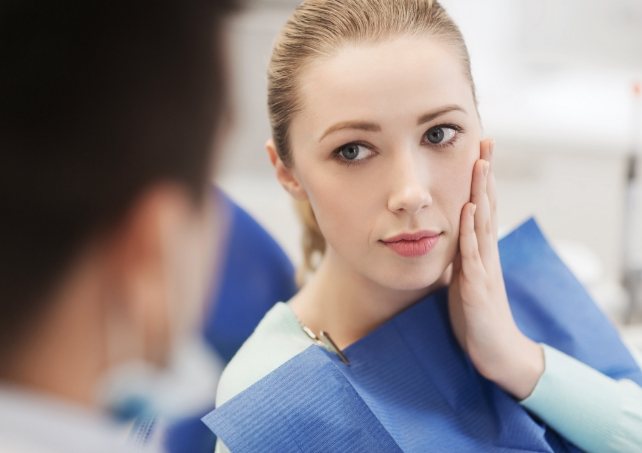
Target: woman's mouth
x,y
412,244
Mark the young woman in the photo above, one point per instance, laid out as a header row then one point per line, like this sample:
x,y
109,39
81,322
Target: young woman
x,y
107,121
377,136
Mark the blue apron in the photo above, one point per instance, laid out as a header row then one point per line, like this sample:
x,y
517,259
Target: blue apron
x,y
409,386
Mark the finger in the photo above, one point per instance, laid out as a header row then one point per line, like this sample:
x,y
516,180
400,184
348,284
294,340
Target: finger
x,y
471,265
486,149
483,225
491,188
491,193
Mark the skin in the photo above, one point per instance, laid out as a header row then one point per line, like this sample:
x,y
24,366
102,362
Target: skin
x,y
128,295
381,149
478,305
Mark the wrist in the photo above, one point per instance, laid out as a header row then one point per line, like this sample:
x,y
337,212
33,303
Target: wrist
x,y
519,370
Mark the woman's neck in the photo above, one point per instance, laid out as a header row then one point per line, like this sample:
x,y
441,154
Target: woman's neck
x,y
348,305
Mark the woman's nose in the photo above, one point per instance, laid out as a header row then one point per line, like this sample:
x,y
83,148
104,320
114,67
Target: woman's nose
x,y
410,185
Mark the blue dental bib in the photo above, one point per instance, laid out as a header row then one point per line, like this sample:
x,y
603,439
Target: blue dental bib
x,y
409,386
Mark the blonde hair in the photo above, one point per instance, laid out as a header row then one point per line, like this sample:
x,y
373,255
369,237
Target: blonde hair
x,y
317,28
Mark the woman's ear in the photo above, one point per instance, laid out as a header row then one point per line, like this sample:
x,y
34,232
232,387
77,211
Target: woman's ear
x,y
286,176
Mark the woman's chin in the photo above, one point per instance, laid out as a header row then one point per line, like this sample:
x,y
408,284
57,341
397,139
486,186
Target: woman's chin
x,y
413,282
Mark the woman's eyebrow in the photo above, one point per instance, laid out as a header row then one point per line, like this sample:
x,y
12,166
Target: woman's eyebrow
x,y
427,117
359,125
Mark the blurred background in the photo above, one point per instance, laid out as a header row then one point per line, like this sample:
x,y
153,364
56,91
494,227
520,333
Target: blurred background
x,y
555,83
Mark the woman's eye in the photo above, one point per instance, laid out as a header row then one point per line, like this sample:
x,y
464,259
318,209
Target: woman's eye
x,y
353,152
441,135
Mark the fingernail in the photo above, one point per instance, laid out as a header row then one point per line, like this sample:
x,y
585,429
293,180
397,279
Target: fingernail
x,y
473,209
486,167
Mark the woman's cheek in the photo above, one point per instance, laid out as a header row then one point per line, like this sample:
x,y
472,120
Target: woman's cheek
x,y
342,208
328,204
457,190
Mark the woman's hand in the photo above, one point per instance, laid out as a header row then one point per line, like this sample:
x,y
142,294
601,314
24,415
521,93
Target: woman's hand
x,y
479,311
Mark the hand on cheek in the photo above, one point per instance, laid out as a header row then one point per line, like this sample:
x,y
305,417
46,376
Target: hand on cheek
x,y
479,311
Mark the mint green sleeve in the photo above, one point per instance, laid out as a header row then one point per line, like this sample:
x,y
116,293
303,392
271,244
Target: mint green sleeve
x,y
595,412
220,447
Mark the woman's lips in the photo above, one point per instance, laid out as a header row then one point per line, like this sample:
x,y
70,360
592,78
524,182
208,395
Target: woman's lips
x,y
412,244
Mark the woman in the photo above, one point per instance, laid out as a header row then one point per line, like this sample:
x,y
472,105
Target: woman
x,y
376,134
107,120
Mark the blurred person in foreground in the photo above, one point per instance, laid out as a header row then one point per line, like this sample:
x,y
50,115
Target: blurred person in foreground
x,y
110,113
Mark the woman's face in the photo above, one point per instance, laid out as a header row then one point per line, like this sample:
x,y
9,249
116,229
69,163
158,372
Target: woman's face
x,y
384,146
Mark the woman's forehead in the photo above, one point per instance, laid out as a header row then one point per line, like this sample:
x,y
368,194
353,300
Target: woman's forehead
x,y
401,77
